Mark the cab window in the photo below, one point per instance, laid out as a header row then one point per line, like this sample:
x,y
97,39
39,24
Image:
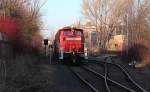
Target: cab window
x,y
67,32
78,32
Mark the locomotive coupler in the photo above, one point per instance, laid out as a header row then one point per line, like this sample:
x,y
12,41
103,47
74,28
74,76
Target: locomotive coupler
x,y
74,56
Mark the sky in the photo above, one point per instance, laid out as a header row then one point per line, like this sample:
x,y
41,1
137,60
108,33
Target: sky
x,y
59,13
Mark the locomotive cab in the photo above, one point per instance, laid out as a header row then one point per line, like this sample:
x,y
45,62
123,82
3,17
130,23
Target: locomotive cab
x,y
70,44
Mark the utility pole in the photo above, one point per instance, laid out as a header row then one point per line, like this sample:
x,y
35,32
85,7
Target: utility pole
x,y
127,30
138,33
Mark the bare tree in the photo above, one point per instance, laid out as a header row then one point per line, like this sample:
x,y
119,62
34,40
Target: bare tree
x,y
105,15
139,29
27,14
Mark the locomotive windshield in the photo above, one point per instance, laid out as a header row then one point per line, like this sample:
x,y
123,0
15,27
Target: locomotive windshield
x,y
70,32
78,32
67,32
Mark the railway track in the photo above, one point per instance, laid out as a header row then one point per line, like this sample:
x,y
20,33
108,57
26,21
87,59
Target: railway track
x,y
84,80
101,82
128,84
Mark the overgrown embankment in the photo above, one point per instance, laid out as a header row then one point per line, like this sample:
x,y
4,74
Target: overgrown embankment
x,y
20,20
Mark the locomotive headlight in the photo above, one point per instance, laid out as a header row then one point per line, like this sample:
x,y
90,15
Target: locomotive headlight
x,y
73,47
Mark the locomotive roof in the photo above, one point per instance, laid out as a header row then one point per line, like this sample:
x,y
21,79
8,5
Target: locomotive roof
x,y
68,27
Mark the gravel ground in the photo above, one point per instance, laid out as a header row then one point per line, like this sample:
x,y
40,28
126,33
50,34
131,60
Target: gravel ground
x,y
62,79
142,76
31,73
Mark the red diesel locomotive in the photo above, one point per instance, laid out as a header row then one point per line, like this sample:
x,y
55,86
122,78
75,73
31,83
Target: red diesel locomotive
x,y
69,44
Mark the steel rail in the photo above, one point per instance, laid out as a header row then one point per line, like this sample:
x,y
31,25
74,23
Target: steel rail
x,y
83,80
124,70
106,84
108,79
